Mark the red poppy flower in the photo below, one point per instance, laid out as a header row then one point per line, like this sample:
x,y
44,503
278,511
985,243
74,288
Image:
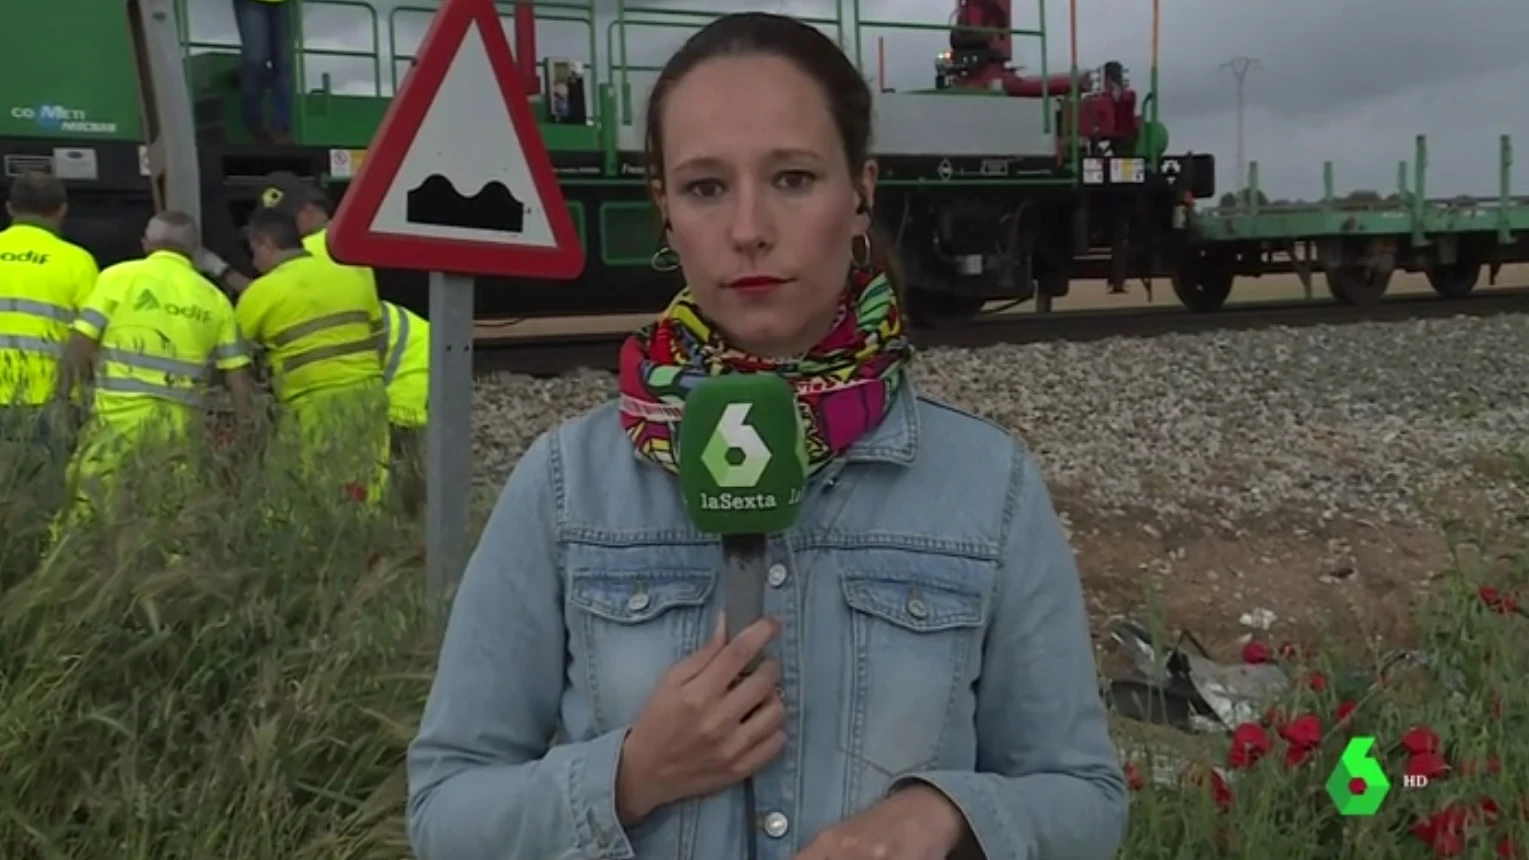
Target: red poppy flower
x,y
1497,600
1133,776
1304,732
1221,792
1428,765
1445,830
1420,739
1296,756
1291,651
355,492
1249,744
1314,681
1274,717
1507,850
1346,709
1255,652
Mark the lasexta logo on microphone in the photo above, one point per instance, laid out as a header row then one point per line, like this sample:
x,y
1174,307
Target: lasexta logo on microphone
x,y
742,458
737,455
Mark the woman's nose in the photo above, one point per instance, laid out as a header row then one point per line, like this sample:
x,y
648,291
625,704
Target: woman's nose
x,y
752,224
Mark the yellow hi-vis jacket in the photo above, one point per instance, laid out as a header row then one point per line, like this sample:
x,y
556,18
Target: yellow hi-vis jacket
x,y
43,282
318,325
317,244
406,366
163,330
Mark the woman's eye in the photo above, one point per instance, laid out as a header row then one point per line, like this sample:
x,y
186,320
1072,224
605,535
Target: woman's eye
x,y
795,180
703,188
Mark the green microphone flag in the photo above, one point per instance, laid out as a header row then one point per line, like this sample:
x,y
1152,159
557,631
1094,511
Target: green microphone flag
x,y
742,455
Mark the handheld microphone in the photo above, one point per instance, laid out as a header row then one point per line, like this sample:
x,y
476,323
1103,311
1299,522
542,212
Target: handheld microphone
x,y
743,468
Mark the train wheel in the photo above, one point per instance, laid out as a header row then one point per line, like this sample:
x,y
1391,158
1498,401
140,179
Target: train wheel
x,y
1203,283
1357,285
1453,280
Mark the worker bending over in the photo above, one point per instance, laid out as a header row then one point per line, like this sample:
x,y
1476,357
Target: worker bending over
x,y
43,281
404,341
151,334
320,335
406,373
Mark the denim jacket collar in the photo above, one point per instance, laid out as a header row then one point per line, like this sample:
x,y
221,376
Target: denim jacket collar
x,y
895,439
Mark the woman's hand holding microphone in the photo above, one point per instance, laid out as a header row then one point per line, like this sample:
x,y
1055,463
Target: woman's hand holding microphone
x,y
704,728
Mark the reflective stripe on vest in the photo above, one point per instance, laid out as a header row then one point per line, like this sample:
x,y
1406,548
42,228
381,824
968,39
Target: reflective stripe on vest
x,y
318,324
395,352
183,370
32,343
34,308
38,345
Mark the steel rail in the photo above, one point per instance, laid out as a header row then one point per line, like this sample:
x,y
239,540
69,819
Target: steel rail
x,y
557,355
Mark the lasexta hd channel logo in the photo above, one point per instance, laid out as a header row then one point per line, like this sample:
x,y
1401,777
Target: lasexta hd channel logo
x,y
1358,784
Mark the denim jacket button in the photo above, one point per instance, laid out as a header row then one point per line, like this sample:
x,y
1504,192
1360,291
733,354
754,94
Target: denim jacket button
x,y
637,602
777,575
917,608
776,824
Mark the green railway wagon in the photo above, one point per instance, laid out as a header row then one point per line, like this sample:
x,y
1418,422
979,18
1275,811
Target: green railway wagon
x,y
999,182
1357,243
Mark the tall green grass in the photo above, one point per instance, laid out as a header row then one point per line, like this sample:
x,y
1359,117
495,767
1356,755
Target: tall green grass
x,y
232,667
222,666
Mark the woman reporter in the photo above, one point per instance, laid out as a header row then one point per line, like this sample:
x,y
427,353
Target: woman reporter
x,y
927,686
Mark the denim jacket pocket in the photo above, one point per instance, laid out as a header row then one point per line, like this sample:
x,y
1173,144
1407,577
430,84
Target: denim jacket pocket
x,y
916,621
633,613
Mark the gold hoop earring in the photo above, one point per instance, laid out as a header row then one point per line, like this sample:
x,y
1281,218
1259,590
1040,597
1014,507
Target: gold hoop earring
x,y
664,259
860,251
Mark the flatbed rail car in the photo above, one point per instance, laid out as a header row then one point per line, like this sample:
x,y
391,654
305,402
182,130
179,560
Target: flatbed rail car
x,y
1356,243
996,184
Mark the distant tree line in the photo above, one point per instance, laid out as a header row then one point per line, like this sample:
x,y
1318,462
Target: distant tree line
x,y
1240,199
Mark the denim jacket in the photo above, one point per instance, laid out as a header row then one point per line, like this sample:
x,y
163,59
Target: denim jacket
x,y
933,629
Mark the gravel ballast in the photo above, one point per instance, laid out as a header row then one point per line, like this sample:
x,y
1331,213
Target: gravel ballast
x,y
1360,419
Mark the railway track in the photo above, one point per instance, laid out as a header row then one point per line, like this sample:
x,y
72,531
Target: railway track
x,y
559,354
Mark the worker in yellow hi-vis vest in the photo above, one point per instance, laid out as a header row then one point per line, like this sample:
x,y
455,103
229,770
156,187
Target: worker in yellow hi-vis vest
x,y
321,336
406,373
43,281
405,339
150,335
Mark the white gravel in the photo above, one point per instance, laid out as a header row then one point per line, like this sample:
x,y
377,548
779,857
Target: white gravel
x,y
1364,419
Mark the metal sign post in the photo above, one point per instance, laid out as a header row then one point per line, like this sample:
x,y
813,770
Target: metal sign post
x,y
445,189
448,444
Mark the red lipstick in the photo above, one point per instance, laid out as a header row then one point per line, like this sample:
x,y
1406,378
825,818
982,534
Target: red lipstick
x,y
756,284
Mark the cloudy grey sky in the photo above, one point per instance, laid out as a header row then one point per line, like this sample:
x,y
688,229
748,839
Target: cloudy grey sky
x,y
1348,80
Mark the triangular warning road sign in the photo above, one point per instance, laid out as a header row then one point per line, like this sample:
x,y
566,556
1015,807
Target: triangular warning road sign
x,y
457,178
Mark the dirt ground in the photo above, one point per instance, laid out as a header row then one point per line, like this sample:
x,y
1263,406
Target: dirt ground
x,y
1353,587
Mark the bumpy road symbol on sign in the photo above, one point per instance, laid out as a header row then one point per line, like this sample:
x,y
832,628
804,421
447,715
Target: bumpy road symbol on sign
x,y
1358,785
734,433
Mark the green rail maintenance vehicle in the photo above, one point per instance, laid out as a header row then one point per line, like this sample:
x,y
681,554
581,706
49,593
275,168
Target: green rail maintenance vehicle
x,y
997,183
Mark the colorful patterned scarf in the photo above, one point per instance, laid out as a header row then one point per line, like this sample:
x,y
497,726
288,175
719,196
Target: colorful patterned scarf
x,y
844,385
